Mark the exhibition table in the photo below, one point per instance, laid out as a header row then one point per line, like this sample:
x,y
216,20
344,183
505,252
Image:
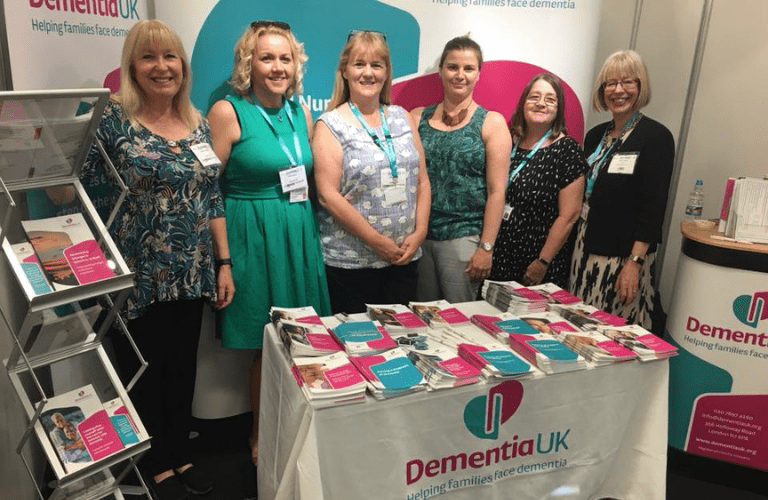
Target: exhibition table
x,y
587,434
719,318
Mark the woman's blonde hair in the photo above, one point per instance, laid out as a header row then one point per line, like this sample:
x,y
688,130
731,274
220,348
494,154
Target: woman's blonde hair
x,y
153,33
624,62
368,40
241,71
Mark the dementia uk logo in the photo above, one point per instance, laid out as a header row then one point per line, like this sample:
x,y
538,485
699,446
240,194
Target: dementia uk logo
x,y
751,309
484,415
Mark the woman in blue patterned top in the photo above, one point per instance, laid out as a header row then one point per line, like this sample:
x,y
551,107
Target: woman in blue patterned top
x,y
371,183
467,150
169,230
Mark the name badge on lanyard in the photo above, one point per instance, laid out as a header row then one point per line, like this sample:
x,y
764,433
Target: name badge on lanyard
x,y
394,187
293,178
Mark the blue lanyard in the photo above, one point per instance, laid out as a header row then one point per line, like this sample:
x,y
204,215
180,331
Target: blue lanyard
x,y
299,160
389,147
598,157
526,157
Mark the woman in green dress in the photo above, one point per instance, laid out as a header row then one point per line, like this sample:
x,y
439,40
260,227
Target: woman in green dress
x,y
262,138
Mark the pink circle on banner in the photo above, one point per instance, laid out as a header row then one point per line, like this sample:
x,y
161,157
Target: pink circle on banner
x,y
112,80
498,88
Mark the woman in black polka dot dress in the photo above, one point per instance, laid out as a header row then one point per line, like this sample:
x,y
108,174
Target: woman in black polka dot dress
x,y
546,186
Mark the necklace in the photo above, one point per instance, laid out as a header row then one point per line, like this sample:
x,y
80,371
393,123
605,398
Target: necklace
x,y
450,121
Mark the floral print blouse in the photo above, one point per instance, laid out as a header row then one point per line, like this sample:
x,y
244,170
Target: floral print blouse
x,y
162,228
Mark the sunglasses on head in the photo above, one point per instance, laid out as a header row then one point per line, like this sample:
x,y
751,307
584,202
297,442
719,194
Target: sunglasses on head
x,y
267,24
355,32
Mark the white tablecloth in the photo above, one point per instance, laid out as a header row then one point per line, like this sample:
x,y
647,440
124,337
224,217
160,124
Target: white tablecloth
x,y
580,435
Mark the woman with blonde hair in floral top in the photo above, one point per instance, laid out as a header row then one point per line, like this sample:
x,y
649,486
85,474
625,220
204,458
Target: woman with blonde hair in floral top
x,y
170,230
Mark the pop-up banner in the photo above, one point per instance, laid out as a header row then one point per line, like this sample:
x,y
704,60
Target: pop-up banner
x,y
519,38
64,44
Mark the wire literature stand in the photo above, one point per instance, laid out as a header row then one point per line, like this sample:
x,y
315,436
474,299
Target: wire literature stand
x,y
64,297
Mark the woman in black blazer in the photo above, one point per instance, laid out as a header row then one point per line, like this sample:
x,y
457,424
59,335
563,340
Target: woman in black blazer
x,y
631,159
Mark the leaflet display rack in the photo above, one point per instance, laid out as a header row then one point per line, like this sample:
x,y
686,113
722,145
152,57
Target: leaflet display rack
x,y
44,139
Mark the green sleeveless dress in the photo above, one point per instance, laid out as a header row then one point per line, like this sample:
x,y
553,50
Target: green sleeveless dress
x,y
275,245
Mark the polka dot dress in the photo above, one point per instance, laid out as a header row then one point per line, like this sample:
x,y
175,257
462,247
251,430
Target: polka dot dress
x,y
533,195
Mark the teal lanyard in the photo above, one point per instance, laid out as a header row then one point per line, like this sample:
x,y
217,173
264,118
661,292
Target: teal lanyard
x,y
527,157
598,158
388,147
299,159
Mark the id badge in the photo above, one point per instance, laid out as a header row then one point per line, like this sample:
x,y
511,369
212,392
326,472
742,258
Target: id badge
x,y
584,211
507,212
623,163
394,195
293,179
298,195
204,154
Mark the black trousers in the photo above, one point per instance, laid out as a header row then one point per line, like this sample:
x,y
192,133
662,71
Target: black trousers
x,y
351,289
167,336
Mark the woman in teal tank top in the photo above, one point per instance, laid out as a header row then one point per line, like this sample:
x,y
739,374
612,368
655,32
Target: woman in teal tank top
x,y
262,139
467,150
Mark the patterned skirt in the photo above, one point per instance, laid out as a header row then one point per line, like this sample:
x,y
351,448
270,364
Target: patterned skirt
x,y
593,276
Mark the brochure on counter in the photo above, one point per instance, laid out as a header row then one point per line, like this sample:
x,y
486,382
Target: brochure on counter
x,y
439,313
302,332
396,317
331,377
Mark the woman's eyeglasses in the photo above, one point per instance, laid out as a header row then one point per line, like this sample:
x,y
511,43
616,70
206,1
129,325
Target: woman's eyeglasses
x,y
548,100
627,84
268,24
355,32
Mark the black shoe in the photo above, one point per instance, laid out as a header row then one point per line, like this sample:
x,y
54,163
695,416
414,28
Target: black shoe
x,y
195,481
169,488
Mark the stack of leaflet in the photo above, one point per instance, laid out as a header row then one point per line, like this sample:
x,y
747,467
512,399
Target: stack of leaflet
x,y
390,374
500,326
648,346
329,378
587,317
302,332
396,317
497,362
541,346
363,338
513,297
555,294
440,364
439,313
597,348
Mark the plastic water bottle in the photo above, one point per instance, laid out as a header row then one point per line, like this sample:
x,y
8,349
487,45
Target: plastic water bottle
x,y
695,203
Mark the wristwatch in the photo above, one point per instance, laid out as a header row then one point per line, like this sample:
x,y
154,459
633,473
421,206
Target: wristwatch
x,y
223,262
488,247
637,259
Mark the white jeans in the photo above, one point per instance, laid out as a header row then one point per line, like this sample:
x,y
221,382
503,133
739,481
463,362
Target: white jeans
x,y
441,270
